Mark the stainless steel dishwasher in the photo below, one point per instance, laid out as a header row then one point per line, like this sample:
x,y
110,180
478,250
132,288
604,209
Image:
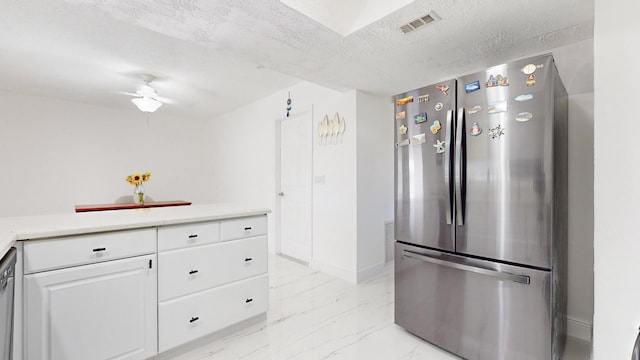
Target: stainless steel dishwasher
x,y
7,265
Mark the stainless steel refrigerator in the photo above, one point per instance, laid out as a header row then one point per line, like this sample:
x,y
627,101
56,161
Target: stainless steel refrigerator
x,y
481,212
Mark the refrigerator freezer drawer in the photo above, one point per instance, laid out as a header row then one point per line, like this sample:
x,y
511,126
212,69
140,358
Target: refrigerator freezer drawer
x,y
473,308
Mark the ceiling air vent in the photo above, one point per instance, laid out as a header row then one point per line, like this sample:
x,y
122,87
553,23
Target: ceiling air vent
x,y
419,22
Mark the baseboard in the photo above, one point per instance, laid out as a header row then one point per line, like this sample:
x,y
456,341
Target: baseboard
x,y
579,329
348,275
333,270
370,272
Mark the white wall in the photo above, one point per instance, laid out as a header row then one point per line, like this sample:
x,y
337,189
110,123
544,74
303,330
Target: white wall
x,y
244,159
355,194
575,65
375,179
56,154
580,293
617,170
334,201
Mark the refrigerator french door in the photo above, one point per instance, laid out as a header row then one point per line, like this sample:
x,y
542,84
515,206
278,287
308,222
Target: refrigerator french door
x,y
424,207
481,244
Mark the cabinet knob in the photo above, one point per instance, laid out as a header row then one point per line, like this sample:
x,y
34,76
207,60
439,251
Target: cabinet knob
x,y
247,228
248,300
248,259
193,236
193,272
99,249
194,319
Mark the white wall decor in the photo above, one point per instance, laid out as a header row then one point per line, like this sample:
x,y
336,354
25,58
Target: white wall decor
x,y
331,132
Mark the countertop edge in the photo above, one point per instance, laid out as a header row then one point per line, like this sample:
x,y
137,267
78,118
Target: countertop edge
x,y
57,225
6,243
36,235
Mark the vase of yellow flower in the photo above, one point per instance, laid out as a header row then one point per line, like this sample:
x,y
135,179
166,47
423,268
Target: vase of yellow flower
x,y
138,191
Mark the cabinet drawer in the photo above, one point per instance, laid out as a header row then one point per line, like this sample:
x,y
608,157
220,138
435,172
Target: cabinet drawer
x,y
179,236
193,316
243,227
186,271
40,255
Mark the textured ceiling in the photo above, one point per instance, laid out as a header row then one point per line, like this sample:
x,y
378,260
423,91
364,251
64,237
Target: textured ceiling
x,y
212,56
352,15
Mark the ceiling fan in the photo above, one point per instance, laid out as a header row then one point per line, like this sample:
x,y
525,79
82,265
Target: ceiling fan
x,y
146,97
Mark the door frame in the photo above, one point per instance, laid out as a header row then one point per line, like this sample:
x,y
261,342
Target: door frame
x,y
278,188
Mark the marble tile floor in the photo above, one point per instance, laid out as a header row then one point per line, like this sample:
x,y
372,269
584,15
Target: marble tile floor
x,y
315,316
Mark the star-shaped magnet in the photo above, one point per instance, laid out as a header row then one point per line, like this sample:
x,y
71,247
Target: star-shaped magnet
x,y
496,132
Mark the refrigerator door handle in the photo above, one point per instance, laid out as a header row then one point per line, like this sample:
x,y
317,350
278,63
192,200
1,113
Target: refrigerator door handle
x,y
636,349
459,167
447,166
522,279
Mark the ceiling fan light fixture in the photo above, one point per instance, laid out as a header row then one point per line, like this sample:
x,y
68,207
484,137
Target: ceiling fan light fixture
x,y
146,104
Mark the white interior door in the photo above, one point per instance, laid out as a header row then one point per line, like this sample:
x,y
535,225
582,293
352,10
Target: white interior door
x,y
296,140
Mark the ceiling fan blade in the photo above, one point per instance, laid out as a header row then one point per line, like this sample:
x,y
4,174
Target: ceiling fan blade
x,y
125,93
165,100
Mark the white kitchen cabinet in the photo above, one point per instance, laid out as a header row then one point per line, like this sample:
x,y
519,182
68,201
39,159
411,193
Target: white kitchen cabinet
x,y
205,288
92,288
106,310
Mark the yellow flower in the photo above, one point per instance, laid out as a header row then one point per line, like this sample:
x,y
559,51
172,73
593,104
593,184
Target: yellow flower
x,y
137,179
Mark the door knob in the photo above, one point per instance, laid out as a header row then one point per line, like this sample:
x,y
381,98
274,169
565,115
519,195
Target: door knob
x,y
280,193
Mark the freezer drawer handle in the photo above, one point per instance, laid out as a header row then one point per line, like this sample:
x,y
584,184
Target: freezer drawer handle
x,y
522,279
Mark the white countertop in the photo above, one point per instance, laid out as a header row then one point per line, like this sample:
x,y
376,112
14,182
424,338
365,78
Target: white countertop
x,y
13,229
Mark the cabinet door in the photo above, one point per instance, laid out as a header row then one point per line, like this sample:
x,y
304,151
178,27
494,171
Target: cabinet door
x,y
99,311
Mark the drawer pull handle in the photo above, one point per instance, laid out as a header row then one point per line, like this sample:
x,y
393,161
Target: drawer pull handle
x,y
99,249
248,259
247,228
194,319
193,236
248,300
193,272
